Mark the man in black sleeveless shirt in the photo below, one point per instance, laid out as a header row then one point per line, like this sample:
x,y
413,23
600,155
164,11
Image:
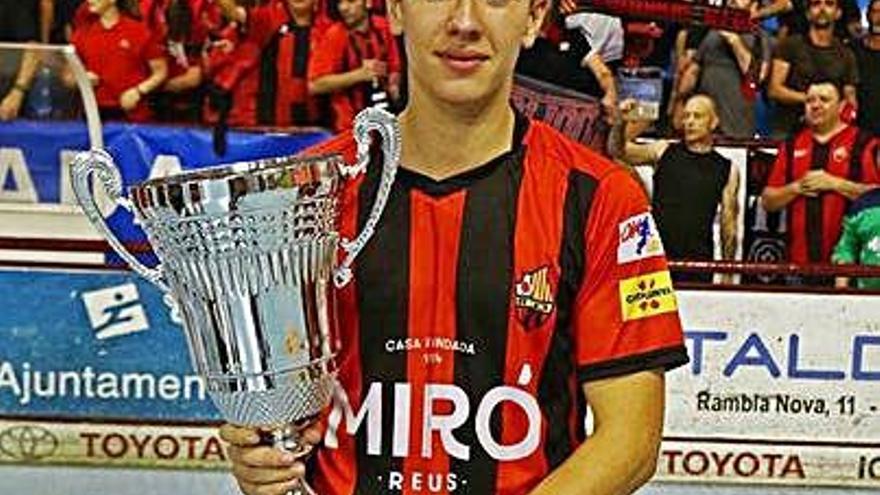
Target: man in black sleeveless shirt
x,y
691,181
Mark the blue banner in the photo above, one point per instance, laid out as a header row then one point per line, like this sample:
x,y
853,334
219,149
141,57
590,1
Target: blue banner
x,y
93,345
31,156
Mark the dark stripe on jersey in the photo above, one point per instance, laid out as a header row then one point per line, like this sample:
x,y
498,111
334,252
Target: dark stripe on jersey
x,y
483,295
667,359
299,112
268,90
383,309
554,389
815,223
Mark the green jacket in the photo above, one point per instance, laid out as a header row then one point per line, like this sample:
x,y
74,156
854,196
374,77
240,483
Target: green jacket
x,y
860,238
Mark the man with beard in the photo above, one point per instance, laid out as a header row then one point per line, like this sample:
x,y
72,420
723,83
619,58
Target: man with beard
x,y
799,59
691,181
817,174
868,61
357,63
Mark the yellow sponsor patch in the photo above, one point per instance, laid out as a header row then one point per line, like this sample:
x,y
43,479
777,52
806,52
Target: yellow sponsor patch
x,y
647,295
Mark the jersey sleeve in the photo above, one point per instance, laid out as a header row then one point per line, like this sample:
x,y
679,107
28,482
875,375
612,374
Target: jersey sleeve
x,y
626,315
871,162
326,59
846,252
263,21
152,47
776,178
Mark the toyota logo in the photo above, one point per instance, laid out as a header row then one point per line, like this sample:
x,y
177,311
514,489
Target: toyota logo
x,y
28,443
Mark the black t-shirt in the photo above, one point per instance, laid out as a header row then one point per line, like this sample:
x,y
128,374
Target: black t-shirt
x,y
796,19
18,20
560,63
688,187
806,62
868,62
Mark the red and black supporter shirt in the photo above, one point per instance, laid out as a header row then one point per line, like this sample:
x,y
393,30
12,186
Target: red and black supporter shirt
x,y
479,307
120,56
267,70
814,223
343,50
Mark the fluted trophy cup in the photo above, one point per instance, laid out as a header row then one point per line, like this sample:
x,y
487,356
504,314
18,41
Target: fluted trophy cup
x,y
248,256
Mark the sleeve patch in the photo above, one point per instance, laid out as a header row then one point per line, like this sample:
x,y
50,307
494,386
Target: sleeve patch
x,y
647,295
638,239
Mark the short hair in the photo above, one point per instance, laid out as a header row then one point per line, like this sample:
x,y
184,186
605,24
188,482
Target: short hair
x,y
709,99
820,80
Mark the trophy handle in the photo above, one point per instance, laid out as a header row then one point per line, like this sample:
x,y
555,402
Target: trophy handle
x,y
370,119
100,163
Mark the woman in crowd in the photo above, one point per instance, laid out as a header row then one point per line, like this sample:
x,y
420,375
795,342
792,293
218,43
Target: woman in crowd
x,y
124,61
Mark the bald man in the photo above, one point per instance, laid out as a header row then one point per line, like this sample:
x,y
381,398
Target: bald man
x,y
691,181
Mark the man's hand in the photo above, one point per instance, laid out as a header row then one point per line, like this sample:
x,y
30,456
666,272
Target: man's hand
x,y
129,99
261,469
373,69
94,79
609,106
11,105
817,181
567,6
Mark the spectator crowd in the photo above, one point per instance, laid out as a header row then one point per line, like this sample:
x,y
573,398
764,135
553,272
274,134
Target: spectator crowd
x,y
808,77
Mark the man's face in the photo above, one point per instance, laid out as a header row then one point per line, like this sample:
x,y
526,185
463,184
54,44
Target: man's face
x,y
699,119
100,6
874,18
823,13
301,6
353,12
822,106
464,51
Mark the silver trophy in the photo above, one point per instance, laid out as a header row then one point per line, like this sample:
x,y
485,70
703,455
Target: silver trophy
x,y
248,257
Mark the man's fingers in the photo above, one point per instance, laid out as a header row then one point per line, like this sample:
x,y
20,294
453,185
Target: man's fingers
x,y
313,434
239,435
261,457
268,476
282,488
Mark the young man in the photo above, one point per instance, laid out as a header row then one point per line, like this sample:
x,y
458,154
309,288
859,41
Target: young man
x,y
520,249
691,181
818,172
356,62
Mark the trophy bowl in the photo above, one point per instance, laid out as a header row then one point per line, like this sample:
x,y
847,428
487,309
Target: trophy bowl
x,y
248,257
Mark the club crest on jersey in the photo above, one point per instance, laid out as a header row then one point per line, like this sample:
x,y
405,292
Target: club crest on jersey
x,y
638,239
534,298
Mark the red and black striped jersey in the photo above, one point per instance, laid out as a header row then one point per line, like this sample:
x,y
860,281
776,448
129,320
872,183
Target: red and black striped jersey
x,y
479,307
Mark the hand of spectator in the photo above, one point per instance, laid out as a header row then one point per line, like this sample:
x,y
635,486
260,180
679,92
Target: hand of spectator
x,y
609,106
129,99
373,69
755,11
93,78
816,181
261,469
394,86
567,6
11,105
